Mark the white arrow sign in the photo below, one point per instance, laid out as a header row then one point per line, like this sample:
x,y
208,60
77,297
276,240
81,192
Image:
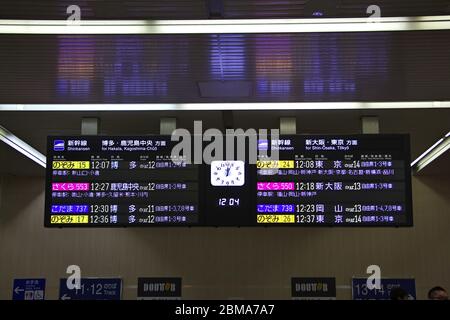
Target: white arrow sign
x,y
65,297
17,290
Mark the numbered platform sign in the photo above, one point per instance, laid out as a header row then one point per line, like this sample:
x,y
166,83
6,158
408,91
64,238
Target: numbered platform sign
x,y
92,289
360,291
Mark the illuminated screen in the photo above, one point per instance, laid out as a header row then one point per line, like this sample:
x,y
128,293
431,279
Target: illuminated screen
x,y
111,181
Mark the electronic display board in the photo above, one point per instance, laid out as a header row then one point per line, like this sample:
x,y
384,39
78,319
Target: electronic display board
x,y
113,181
117,181
328,180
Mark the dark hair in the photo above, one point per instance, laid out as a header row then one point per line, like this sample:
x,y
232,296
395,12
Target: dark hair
x,y
399,294
437,288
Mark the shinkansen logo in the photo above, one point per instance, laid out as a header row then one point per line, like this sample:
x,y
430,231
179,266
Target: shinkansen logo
x,y
161,287
58,145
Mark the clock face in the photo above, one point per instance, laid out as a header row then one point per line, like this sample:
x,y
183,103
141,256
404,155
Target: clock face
x,y
227,173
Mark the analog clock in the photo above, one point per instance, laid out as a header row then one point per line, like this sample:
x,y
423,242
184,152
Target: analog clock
x,y
227,173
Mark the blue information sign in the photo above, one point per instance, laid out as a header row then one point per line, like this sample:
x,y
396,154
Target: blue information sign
x,y
361,292
29,289
92,289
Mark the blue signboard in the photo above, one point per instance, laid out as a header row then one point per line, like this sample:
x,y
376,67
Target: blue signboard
x,y
29,289
92,289
361,292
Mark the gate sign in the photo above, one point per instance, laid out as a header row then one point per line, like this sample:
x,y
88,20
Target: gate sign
x,y
313,288
92,289
361,292
159,288
29,289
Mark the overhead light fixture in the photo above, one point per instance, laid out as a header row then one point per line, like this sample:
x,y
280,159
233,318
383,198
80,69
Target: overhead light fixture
x,y
434,152
21,146
224,26
257,106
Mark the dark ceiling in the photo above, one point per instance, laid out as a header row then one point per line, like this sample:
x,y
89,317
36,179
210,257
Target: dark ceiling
x,y
204,9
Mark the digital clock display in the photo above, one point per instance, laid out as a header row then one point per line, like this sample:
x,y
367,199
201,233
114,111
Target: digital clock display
x,y
229,202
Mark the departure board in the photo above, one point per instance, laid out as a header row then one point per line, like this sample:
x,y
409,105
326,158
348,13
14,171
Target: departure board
x,y
340,181
112,181
117,181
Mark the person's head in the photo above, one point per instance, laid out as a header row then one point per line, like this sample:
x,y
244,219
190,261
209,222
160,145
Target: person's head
x,y
437,293
399,294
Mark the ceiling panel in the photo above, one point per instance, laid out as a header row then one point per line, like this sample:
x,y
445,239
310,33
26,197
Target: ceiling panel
x,y
331,8
198,9
377,66
104,9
